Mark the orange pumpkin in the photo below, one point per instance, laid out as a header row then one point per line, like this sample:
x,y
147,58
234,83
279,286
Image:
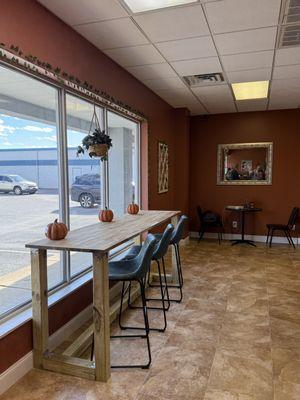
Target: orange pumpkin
x,y
106,215
56,230
133,208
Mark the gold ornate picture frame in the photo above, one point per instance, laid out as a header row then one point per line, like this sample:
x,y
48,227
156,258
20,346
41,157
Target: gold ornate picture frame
x,y
242,169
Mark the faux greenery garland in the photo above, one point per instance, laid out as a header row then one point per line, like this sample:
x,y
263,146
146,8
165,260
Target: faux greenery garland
x,y
62,76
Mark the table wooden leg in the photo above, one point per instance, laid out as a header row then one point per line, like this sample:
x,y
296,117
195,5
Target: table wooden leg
x,y
101,317
175,278
138,240
39,305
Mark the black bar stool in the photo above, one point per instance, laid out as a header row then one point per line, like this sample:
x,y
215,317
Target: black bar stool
x,y
176,237
134,269
160,251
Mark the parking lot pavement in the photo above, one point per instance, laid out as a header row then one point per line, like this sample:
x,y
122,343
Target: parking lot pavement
x,y
23,220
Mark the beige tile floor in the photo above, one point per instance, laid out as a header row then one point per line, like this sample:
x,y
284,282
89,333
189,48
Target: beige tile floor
x,y
236,335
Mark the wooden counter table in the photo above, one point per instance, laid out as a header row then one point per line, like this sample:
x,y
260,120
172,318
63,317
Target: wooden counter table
x,y
98,239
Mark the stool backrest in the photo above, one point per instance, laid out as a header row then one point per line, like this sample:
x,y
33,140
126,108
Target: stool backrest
x,y
143,259
178,232
293,217
161,247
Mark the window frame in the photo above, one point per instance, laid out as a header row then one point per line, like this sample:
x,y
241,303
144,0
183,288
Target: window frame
x,y
63,178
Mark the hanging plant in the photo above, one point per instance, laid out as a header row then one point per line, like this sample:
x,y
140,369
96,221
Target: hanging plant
x,y
96,143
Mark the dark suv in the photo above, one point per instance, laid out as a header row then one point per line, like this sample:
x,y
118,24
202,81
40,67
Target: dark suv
x,y
86,190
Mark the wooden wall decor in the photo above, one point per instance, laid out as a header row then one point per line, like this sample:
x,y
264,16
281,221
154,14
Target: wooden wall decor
x,y
163,167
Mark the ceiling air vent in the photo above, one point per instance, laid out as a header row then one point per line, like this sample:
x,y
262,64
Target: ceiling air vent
x,y
204,79
290,28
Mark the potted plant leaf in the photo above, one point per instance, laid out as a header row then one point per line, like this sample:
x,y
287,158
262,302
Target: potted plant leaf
x,y
96,142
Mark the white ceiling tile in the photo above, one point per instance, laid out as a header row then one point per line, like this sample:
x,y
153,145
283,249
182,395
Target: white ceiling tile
x,y
196,108
74,12
153,71
285,84
284,93
246,41
286,72
287,56
173,23
235,15
284,99
252,75
186,49
136,55
176,97
217,99
245,61
164,84
199,66
112,34
252,105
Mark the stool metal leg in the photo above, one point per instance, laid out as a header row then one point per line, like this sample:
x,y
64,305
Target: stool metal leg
x,y
161,285
146,329
180,276
162,299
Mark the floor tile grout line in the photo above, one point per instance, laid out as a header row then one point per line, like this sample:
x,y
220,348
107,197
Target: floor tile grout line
x,y
270,330
158,353
217,344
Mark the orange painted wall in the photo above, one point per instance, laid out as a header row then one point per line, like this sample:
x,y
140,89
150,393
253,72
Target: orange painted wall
x,y
27,24
279,127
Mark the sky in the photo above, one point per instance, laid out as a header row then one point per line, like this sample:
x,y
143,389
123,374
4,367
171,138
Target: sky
x,y
18,133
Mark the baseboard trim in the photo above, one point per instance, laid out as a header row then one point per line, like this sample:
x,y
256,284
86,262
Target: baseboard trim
x,y
235,236
16,372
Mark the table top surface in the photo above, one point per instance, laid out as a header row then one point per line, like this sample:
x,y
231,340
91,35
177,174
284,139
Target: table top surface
x,y
104,236
243,209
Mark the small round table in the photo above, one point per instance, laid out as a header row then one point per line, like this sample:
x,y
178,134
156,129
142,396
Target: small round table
x,y
243,211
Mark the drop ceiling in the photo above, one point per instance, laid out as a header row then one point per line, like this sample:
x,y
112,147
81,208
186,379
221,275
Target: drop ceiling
x,y
235,37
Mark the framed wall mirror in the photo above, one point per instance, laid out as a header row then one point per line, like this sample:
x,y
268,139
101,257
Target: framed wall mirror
x,y
245,164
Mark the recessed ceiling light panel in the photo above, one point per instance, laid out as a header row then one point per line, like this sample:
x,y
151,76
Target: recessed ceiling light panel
x,y
147,5
250,90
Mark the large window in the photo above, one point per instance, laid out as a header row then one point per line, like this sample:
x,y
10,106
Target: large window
x,y
123,162
85,175
29,183
41,177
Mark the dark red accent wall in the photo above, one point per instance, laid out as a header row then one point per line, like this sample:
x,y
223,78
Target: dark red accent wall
x,y
279,127
27,24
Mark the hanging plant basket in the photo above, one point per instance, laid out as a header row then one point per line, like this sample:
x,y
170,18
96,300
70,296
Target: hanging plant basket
x,y
98,150
96,142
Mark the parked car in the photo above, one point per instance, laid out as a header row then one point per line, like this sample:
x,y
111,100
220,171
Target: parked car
x,y
86,190
16,184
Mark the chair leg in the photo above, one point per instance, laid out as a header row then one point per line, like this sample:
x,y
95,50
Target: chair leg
x,y
201,234
161,299
271,237
291,239
180,265
179,273
268,235
163,291
287,236
145,336
166,283
219,237
121,304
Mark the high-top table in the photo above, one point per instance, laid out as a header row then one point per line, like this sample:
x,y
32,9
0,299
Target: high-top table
x,y
97,239
243,211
